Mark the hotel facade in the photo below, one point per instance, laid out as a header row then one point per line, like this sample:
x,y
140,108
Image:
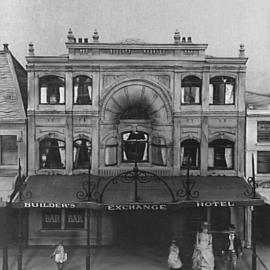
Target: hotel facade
x,y
165,113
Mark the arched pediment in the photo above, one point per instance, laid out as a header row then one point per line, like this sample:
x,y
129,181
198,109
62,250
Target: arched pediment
x,y
136,100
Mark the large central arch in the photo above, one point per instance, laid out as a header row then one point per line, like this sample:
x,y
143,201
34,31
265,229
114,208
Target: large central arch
x,y
136,99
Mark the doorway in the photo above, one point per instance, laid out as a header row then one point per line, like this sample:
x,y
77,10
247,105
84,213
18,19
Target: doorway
x,y
142,228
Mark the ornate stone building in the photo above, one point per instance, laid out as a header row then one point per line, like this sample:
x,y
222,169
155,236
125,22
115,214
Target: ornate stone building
x,y
170,107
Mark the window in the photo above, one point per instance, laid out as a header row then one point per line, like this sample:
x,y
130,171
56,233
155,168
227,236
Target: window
x,y
52,154
57,219
190,154
8,150
135,146
159,151
74,218
52,90
51,219
191,90
82,90
111,149
81,154
263,134
221,91
263,161
221,154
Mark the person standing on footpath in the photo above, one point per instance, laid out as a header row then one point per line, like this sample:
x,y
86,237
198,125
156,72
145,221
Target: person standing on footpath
x,y
60,256
232,248
174,262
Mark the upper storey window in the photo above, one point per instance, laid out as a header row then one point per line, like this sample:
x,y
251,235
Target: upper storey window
x,y
52,90
222,91
82,90
263,131
8,150
190,154
135,146
81,154
52,154
191,90
221,154
159,151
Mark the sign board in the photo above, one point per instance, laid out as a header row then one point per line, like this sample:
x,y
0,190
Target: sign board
x,y
74,218
215,203
48,205
51,219
136,207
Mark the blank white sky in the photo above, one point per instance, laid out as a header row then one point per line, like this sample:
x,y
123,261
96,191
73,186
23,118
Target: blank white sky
x,y
223,24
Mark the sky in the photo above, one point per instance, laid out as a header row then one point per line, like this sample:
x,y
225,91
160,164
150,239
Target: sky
x,y
223,24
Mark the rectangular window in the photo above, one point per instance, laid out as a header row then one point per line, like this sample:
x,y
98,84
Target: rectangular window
x,y
190,95
221,94
51,219
263,161
263,131
74,219
220,157
9,150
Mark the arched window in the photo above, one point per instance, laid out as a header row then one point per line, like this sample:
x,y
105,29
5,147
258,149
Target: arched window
x,y
135,146
82,90
221,154
111,149
52,154
190,154
221,90
81,154
52,90
191,90
159,151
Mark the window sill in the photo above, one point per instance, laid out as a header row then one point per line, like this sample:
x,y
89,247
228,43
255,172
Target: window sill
x,y
51,171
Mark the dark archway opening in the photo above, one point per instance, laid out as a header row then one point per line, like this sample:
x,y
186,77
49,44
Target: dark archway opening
x,y
142,228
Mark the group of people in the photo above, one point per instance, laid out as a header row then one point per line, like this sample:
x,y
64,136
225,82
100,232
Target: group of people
x,y
203,256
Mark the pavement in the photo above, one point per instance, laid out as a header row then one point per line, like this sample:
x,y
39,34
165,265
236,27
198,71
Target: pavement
x,y
119,258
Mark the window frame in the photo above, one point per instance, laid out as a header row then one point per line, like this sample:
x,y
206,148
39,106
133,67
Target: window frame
x,y
184,144
258,166
111,145
215,144
123,146
262,140
73,90
159,146
231,81
40,154
187,83
15,152
40,86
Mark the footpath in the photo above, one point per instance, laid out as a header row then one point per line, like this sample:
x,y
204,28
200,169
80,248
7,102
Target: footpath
x,y
115,258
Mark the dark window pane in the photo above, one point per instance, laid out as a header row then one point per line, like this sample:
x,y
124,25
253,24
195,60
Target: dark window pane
x,y
111,150
51,219
221,90
9,152
263,161
220,154
52,90
74,219
263,134
52,154
191,90
82,90
81,153
135,146
190,153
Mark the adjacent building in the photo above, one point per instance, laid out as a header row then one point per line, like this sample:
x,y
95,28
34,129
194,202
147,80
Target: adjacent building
x,y
170,108
13,131
258,146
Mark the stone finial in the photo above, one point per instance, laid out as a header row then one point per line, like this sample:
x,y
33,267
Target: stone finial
x,y
5,45
70,36
31,50
95,36
177,37
242,50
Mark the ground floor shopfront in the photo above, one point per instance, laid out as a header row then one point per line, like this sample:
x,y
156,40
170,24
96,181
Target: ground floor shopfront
x,y
55,213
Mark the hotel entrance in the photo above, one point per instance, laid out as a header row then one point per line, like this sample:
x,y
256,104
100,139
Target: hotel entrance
x,y
142,228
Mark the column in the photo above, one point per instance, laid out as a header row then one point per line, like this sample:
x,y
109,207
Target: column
x,y
69,123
